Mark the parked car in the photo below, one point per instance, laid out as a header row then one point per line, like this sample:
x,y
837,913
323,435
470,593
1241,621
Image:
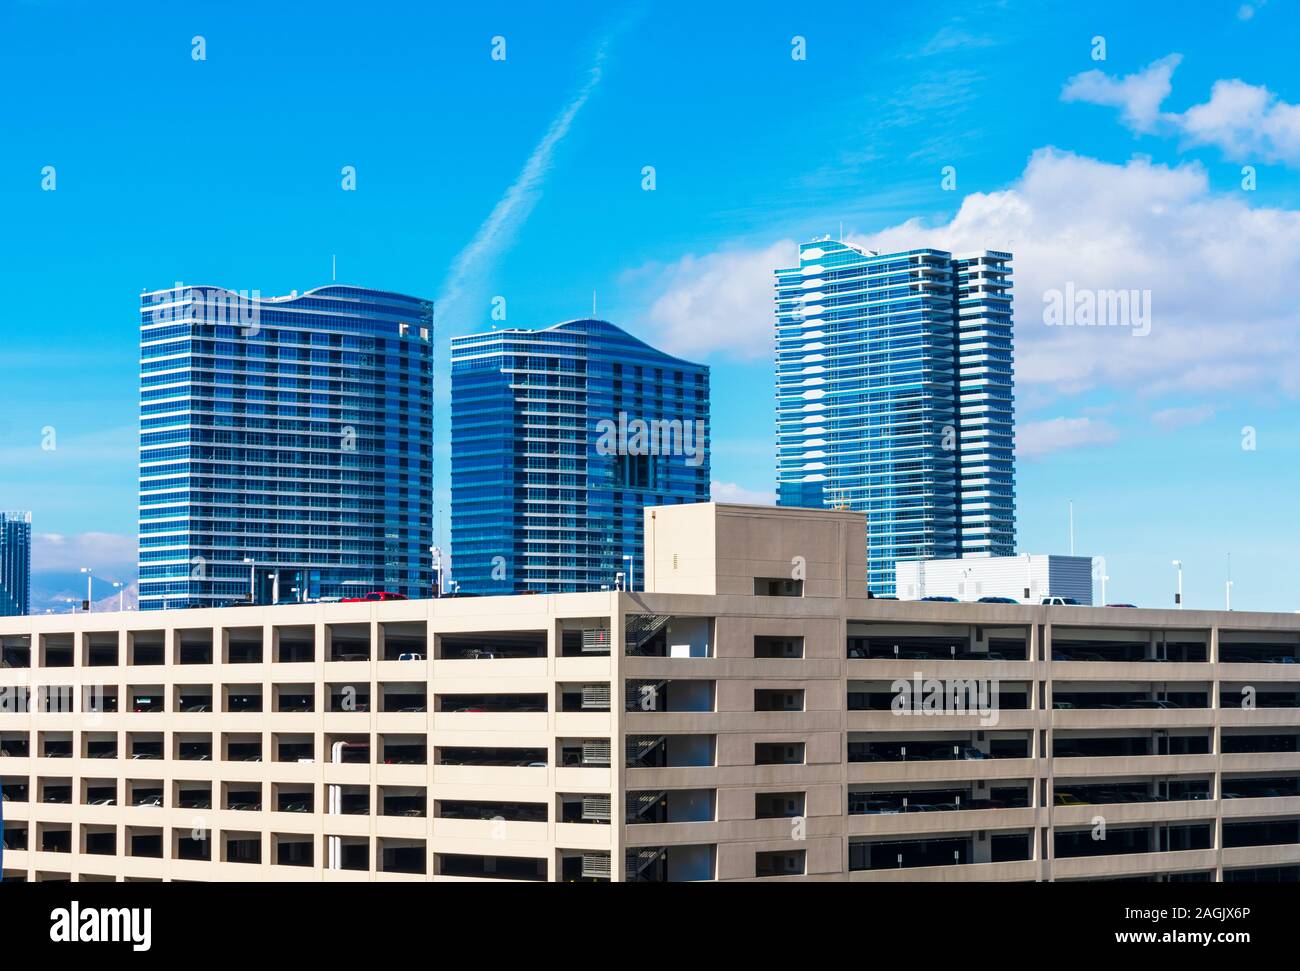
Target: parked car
x,y
997,600
1134,606
943,600
1060,602
410,656
1149,703
374,596
881,808
149,801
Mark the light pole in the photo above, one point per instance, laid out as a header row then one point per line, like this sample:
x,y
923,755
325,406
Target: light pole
x,y
121,595
1099,564
86,603
631,572
1227,590
1178,597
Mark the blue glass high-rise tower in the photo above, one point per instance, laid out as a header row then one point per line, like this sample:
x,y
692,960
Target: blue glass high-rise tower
x,y
15,564
560,438
286,445
895,398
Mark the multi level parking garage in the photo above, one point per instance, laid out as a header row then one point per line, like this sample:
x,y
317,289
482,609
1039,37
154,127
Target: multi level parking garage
x,y
731,722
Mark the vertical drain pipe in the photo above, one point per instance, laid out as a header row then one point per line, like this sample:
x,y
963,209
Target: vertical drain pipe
x,y
336,807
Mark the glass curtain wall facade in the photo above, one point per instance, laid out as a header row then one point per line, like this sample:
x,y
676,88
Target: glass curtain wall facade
x,y
286,446
894,398
560,437
15,564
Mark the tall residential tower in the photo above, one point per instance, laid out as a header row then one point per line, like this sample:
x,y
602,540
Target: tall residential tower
x,y
560,438
286,445
15,564
894,398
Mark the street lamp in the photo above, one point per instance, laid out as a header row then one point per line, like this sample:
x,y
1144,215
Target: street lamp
x,y
85,604
1178,597
1099,564
121,595
631,572
1227,595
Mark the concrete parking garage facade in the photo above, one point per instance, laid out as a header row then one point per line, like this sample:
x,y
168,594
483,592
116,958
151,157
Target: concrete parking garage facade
x,y
739,719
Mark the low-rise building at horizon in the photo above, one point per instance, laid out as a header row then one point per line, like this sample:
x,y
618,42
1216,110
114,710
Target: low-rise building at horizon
x,y
1027,578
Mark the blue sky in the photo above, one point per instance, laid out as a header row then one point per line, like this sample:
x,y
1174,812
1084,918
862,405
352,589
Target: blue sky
x,y
523,178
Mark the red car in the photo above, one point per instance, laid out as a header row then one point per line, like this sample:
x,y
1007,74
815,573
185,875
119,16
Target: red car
x,y
374,595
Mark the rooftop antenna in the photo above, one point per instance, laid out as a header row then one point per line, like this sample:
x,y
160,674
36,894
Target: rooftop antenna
x,y
334,268
593,304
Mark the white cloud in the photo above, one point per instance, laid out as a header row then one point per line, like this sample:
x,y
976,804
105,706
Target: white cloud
x,y
1038,438
1138,96
1171,419
731,492
1221,275
1246,122
108,554
716,302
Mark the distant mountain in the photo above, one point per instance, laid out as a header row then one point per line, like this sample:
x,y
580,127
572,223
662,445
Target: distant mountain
x,y
110,603
55,591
